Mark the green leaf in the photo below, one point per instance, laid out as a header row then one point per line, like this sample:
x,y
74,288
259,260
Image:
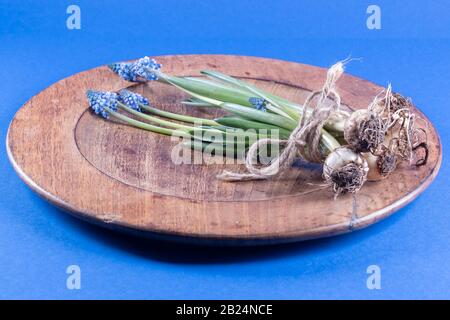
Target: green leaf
x,y
193,102
260,116
178,117
213,94
274,106
216,84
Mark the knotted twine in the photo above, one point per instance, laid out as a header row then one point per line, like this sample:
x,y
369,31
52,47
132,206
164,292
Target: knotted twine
x,y
304,139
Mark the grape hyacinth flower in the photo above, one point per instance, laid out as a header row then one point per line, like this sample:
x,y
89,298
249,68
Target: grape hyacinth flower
x,y
133,100
258,103
123,70
145,68
102,102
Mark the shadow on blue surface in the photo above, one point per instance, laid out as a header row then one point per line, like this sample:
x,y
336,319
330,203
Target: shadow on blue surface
x,y
177,252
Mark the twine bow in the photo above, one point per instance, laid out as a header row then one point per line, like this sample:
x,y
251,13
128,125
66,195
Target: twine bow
x,y
304,139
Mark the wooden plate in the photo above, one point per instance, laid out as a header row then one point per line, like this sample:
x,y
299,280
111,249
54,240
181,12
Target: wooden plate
x,y
123,178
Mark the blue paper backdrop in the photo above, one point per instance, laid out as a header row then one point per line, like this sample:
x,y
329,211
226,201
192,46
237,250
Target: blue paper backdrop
x,y
38,242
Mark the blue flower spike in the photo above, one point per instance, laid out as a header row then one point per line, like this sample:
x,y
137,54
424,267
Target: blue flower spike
x,y
102,102
258,103
145,68
123,70
132,99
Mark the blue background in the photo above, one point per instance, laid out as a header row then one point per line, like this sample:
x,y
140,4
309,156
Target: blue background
x,y
38,242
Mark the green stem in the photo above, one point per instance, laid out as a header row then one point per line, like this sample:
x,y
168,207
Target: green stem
x,y
197,103
200,133
153,119
179,117
328,141
146,126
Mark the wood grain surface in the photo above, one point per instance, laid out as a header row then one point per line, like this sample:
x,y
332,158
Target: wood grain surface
x,y
123,178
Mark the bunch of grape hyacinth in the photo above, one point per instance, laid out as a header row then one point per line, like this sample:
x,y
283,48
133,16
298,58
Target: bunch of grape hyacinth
x,y
350,149
144,68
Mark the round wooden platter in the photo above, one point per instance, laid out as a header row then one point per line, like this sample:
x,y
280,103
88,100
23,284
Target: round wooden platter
x,y
123,178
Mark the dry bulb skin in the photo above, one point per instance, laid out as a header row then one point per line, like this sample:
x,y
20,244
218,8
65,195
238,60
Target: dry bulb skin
x,y
410,141
364,130
386,132
386,163
345,171
382,164
398,102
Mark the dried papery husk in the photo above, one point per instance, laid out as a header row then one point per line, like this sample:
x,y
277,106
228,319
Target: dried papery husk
x,y
387,163
402,144
364,130
384,160
423,160
398,102
380,166
345,170
388,103
409,138
398,110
